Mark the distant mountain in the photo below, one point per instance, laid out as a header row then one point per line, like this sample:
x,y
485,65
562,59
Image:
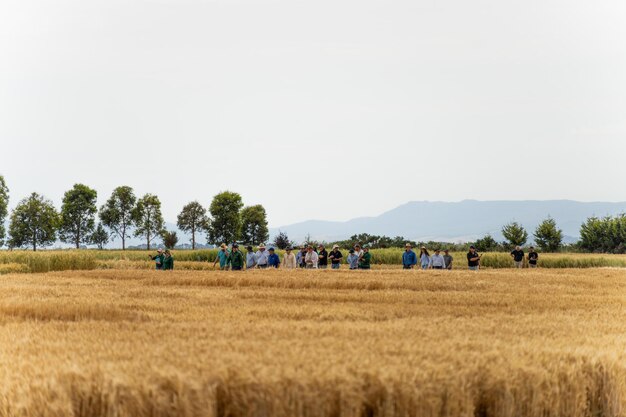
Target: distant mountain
x,y
458,221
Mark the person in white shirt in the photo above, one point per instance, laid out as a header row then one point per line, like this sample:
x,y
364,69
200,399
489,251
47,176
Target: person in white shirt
x,y
358,251
437,261
289,259
262,257
311,258
250,258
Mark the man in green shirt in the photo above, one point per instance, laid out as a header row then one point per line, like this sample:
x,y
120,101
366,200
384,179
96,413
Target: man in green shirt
x,y
366,259
236,258
168,261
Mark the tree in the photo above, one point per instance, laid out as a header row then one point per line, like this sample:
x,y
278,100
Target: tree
x,y
225,224
116,213
99,237
547,236
78,215
34,223
515,234
254,225
193,219
486,244
170,239
607,235
147,218
4,208
281,241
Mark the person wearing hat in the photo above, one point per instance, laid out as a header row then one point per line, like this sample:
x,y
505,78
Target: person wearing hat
x,y
158,259
335,257
273,260
289,259
437,261
236,258
424,257
409,258
168,261
322,255
447,259
311,258
353,259
473,259
262,257
365,259
222,257
250,257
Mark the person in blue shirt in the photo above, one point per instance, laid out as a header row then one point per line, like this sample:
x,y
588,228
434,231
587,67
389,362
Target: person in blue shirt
x,y
353,260
424,258
409,258
273,260
222,257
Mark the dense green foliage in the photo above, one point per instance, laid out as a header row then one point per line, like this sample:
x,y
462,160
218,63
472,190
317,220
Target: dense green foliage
x,y
193,219
4,208
254,225
78,215
117,212
34,223
548,237
515,234
225,224
606,234
170,239
147,218
99,237
281,241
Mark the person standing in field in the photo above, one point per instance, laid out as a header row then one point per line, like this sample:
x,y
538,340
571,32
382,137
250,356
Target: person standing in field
x,y
262,257
168,261
311,258
409,258
437,261
158,259
335,257
533,257
322,255
473,259
366,259
301,257
358,250
518,257
250,257
222,257
273,260
236,258
289,259
353,259
448,259
424,257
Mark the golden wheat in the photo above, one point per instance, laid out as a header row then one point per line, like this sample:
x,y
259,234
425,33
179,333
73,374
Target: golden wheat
x,y
313,343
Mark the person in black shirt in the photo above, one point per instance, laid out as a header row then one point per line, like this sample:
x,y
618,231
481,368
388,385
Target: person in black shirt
x,y
473,259
533,256
322,254
335,257
518,257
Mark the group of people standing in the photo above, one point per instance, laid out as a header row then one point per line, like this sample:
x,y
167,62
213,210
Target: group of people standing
x,y
307,257
163,259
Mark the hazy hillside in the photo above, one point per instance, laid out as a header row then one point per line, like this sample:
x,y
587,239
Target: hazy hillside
x,y
464,220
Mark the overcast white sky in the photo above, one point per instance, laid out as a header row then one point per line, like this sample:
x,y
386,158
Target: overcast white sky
x,y
325,109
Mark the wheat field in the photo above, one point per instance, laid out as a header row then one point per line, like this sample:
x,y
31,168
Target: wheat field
x,y
120,343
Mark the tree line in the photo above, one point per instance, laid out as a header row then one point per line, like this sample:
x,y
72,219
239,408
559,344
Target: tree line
x,y
36,223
